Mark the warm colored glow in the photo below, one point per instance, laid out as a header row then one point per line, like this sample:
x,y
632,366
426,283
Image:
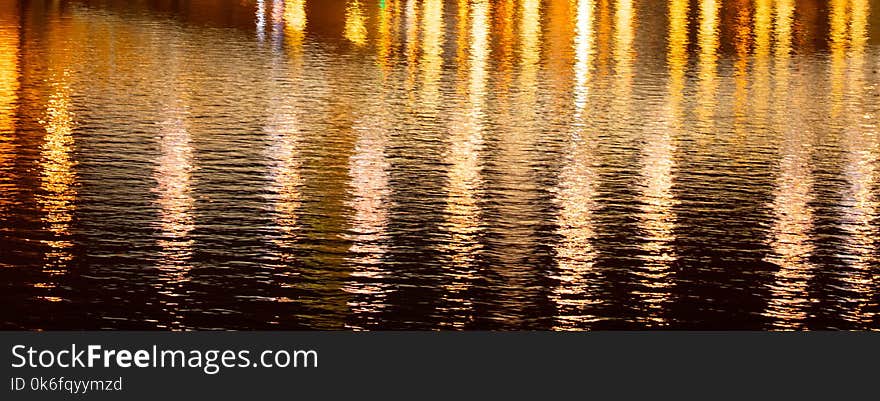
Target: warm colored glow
x,y
260,15
624,34
530,38
677,55
9,85
464,178
387,32
173,175
412,44
583,52
742,37
838,37
368,169
761,63
58,178
860,202
794,216
294,23
575,254
707,38
432,52
355,23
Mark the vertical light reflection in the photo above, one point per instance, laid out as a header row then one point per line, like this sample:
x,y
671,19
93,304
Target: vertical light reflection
x,y
790,234
707,39
432,52
560,47
260,14
368,169
285,172
624,33
761,69
503,30
278,26
575,293
355,23
860,204
838,42
657,218
603,37
742,36
464,178
387,31
517,184
173,175
9,84
57,176
782,30
412,43
285,140
294,18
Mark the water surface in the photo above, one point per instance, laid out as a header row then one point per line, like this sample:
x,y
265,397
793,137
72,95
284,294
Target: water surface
x,y
430,164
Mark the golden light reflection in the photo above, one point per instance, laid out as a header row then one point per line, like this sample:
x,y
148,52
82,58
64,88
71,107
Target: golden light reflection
x,y
464,178
742,38
173,175
387,32
368,169
838,22
657,217
790,243
790,240
707,39
559,45
782,36
294,24
517,143
503,31
432,52
58,177
412,44
355,23
260,15
761,69
279,30
624,35
575,255
677,55
9,85
860,203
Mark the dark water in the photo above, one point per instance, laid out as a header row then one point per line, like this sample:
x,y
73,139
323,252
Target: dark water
x,y
430,164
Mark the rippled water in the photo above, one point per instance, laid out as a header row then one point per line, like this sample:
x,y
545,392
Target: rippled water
x,y
424,164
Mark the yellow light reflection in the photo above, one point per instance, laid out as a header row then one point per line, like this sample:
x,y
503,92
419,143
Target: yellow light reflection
x,y
761,69
412,44
575,255
387,31
657,217
432,53
838,43
707,39
742,37
58,178
294,24
173,175
503,30
794,217
9,85
860,203
368,169
464,178
355,23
